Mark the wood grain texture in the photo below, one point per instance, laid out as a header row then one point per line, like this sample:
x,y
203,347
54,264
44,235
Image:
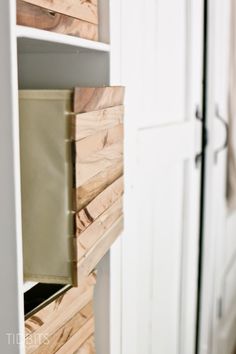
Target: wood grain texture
x,y
88,347
97,142
85,217
87,99
73,301
86,10
99,249
86,124
90,237
98,128
75,342
34,340
95,185
98,162
60,337
38,17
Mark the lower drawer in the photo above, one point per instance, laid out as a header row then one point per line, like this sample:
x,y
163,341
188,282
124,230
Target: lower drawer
x,y
65,325
88,347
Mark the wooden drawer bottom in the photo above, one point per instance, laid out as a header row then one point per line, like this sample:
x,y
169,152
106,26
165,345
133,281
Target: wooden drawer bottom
x,y
88,347
65,325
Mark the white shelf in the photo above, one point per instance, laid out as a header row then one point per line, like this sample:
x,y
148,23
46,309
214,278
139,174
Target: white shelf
x,y
32,40
28,285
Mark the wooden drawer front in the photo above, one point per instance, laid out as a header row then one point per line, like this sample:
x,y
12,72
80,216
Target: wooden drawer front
x,y
88,347
97,129
30,13
86,10
41,18
65,324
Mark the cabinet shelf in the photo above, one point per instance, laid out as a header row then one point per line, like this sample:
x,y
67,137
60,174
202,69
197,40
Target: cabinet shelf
x,y
28,285
32,40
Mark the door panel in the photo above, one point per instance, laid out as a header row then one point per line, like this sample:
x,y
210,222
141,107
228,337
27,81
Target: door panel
x,y
165,49
162,72
168,199
231,237
172,60
167,268
229,287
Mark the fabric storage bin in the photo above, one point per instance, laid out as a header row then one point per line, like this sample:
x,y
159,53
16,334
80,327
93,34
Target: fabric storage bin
x,y
71,178
73,17
66,325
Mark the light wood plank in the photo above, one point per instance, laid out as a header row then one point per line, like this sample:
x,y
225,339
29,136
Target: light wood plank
x,y
78,338
88,238
98,142
38,17
94,186
60,337
88,347
87,99
49,313
96,163
36,339
82,9
88,263
86,124
98,205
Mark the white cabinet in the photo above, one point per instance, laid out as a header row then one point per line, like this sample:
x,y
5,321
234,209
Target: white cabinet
x,y
11,310
147,290
46,60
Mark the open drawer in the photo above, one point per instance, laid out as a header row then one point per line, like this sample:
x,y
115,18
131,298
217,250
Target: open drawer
x,y
72,180
66,325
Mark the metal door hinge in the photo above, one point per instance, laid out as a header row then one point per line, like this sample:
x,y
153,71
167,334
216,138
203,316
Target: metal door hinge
x,y
199,155
198,114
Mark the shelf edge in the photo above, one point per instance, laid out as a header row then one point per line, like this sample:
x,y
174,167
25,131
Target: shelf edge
x,y
57,38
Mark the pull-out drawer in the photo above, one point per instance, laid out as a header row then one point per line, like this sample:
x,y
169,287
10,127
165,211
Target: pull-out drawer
x,y
72,180
73,17
66,325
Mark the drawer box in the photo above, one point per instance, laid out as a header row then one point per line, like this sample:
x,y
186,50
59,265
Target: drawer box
x,y
72,180
73,17
65,325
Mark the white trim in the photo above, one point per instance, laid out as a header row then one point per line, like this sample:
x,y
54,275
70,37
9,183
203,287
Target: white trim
x,y
29,285
57,38
115,335
11,274
207,305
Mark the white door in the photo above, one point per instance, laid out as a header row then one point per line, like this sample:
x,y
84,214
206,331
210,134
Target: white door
x,y
224,338
218,322
224,310
162,70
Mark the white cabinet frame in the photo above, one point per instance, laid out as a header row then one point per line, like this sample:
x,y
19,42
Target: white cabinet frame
x,y
11,309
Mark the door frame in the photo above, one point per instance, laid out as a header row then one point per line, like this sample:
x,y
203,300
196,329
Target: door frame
x,y
208,302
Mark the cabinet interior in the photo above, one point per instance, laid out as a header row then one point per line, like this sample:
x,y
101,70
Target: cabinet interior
x,y
51,65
